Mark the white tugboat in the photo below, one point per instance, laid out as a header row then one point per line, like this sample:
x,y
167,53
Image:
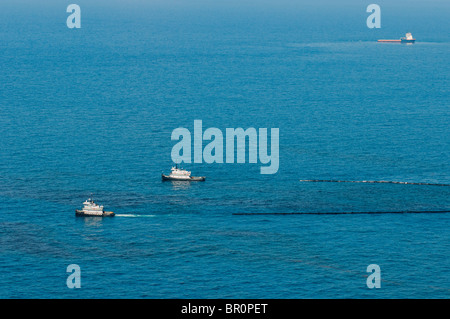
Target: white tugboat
x,y
92,209
179,174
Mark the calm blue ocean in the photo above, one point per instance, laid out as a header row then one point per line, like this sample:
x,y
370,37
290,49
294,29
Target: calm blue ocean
x,y
92,110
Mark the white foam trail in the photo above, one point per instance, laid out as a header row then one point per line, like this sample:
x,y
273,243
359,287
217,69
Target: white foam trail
x,y
134,215
373,182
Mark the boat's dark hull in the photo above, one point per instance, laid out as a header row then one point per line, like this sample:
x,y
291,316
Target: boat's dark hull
x,y
191,179
80,213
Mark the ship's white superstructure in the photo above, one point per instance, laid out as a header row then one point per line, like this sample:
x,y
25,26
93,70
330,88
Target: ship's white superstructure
x,y
180,173
91,208
409,36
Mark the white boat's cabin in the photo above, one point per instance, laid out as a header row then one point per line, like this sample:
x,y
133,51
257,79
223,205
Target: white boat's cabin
x,y
90,205
175,171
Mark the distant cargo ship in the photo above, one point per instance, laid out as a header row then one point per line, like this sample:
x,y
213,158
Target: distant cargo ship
x,y
406,39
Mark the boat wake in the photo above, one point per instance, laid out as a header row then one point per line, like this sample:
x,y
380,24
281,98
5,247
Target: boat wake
x,y
373,182
134,215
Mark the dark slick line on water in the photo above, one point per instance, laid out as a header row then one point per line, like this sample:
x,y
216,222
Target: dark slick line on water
x,y
354,213
370,182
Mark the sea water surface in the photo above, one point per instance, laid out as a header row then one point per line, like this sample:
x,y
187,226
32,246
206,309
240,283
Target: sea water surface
x,y
92,111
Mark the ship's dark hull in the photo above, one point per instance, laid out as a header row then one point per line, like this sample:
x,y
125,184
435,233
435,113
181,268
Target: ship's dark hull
x,y
191,179
80,213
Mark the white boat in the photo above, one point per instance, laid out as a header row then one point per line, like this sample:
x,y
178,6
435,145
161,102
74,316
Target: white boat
x,y
92,209
179,174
